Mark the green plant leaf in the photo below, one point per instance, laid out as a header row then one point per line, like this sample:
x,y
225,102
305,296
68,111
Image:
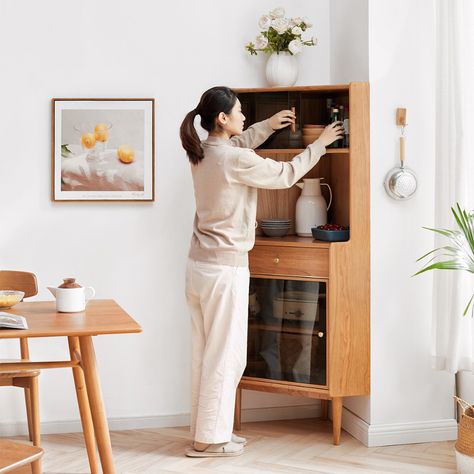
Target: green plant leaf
x,y
65,151
467,307
459,253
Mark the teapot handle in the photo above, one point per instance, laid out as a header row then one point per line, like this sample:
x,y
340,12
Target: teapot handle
x,y
330,195
89,293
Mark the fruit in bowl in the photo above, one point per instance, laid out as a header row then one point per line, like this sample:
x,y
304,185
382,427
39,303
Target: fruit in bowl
x,y
331,232
9,298
332,227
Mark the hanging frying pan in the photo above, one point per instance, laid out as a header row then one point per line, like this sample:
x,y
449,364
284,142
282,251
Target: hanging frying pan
x,y
400,182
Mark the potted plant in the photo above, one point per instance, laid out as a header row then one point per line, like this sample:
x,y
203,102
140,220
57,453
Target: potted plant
x,y
458,255
283,39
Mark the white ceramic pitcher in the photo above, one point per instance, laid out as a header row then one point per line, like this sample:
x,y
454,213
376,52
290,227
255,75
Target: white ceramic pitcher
x,y
71,300
311,207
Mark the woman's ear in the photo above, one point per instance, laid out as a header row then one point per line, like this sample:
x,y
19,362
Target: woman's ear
x,y
221,119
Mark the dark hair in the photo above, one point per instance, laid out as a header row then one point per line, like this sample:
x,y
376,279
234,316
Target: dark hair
x,y
213,102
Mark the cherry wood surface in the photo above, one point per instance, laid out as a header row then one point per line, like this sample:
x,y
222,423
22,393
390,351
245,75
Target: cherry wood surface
x,y
100,317
20,281
14,455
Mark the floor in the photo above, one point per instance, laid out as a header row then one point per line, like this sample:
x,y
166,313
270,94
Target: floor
x,y
290,446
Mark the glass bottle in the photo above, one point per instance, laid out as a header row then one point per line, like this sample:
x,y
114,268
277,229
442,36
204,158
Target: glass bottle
x,y
334,117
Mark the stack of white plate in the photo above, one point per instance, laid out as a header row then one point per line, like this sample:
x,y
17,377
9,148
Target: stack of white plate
x,y
275,227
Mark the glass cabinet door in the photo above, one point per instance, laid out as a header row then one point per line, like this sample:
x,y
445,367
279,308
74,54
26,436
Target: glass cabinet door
x,y
287,331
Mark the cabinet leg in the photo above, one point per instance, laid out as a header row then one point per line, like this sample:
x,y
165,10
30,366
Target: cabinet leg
x,y
237,411
324,409
336,419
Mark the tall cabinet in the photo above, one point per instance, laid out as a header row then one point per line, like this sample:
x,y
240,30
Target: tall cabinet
x,y
309,300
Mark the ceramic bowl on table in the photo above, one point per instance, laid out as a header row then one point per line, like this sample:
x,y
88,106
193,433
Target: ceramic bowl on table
x,y
9,298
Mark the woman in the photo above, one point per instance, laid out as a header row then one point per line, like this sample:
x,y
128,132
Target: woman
x,y
226,174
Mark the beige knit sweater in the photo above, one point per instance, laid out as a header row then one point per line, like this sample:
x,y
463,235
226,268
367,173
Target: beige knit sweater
x,y
225,189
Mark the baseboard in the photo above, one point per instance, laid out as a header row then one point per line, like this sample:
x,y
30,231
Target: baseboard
x,y
398,433
163,421
369,435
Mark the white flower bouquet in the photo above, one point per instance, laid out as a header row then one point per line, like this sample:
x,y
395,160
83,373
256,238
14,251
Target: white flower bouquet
x,y
281,34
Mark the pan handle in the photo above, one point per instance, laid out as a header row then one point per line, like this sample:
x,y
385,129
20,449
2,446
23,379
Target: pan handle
x,y
402,151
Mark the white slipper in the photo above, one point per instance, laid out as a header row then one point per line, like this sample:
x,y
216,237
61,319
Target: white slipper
x,y
238,439
216,450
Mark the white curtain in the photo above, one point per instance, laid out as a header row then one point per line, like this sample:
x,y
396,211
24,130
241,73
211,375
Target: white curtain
x,y
453,334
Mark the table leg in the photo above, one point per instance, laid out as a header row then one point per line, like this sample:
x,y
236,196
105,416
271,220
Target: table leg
x,y
94,393
84,408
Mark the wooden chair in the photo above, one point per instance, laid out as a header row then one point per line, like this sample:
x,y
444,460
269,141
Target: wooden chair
x,y
16,457
26,379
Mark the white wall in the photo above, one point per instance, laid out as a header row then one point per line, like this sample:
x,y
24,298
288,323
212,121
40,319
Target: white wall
x,y
405,389
349,45
132,252
392,44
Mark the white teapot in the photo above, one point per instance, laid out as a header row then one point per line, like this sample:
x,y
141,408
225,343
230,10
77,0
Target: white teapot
x,y
71,297
311,207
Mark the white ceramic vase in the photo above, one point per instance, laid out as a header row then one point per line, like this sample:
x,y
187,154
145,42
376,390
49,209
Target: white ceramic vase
x,y
282,69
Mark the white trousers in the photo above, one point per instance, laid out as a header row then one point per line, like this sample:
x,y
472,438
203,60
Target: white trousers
x,y
217,296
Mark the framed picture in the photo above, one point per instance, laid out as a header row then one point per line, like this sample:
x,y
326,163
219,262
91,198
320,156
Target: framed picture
x,y
103,150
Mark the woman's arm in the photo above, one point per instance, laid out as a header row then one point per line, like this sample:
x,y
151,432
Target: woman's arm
x,y
258,172
257,133
254,136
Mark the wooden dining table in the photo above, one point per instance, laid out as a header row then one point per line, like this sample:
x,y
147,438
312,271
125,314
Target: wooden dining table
x,y
100,317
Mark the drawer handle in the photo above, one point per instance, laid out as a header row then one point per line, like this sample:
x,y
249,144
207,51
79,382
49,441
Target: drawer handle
x,y
276,260
320,334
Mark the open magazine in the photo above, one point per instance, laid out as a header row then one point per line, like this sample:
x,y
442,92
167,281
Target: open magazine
x,y
12,321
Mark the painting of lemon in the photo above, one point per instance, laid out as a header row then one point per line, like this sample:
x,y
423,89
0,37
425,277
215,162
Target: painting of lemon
x,y
126,154
88,140
101,132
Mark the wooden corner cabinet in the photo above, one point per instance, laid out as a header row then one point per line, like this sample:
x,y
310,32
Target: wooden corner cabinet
x,y
309,302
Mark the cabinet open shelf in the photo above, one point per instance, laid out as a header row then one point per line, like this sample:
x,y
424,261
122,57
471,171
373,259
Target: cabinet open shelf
x,y
297,151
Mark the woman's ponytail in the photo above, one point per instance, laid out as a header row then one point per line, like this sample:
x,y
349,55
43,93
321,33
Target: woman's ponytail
x,y
213,102
190,139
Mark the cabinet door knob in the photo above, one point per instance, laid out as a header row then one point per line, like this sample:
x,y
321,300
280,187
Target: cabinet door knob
x,y
320,334
276,260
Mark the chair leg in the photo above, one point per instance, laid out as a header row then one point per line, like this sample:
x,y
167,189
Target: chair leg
x,y
28,412
34,409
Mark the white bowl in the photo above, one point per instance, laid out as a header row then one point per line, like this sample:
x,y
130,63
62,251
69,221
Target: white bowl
x,y
9,298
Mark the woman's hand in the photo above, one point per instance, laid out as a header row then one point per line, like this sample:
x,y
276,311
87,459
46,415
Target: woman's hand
x,y
282,119
331,133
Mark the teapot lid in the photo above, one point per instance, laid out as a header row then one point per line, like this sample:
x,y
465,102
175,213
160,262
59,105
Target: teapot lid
x,y
69,283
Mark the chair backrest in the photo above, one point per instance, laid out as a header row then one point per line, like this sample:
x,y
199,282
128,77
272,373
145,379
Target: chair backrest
x,y
14,455
21,281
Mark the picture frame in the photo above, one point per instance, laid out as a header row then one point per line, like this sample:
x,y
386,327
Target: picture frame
x,y
103,149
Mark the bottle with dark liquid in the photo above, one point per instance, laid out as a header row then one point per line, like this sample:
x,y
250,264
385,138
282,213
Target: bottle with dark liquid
x,y
335,117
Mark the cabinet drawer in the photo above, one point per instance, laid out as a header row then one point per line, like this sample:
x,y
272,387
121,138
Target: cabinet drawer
x,y
289,261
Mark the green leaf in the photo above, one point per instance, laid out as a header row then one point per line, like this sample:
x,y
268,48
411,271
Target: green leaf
x,y
467,307
65,151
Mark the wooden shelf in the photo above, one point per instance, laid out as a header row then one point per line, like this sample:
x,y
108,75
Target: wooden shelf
x,y
297,151
284,328
326,88
293,241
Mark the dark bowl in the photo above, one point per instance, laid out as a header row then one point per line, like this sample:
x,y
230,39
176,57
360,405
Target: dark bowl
x,y
330,235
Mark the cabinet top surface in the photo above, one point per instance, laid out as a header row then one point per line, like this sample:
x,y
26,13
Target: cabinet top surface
x,y
328,88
